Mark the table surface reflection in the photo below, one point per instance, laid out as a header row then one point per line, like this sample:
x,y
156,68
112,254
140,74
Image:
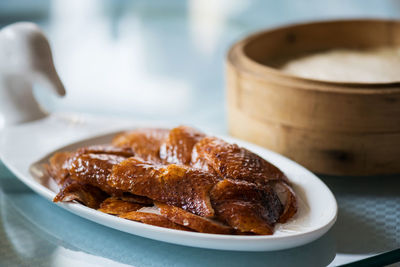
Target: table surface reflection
x,y
35,232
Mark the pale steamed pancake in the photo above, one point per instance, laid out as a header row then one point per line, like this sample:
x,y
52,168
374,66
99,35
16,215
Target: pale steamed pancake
x,y
376,65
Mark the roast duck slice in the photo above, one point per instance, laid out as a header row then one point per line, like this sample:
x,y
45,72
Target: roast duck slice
x,y
145,142
179,179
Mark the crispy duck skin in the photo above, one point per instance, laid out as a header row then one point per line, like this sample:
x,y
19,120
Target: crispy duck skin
x,y
178,146
75,188
117,206
233,162
175,185
136,199
88,165
94,169
59,165
287,198
245,207
107,149
153,219
88,195
145,142
192,221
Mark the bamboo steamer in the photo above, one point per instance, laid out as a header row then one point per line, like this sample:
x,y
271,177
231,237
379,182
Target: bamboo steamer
x,y
329,127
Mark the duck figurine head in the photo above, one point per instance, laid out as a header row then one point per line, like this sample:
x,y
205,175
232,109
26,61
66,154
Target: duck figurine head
x,y
25,61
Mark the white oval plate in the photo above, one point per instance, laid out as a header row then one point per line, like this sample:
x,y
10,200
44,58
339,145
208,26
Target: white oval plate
x,y
317,206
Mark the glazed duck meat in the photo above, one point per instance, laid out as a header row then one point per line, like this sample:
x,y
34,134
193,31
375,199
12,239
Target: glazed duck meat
x,y
178,146
180,179
145,142
172,184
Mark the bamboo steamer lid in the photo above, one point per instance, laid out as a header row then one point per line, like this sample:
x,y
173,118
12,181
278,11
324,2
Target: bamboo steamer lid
x,y
329,127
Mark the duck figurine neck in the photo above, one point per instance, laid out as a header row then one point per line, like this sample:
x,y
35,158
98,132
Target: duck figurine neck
x,y
25,61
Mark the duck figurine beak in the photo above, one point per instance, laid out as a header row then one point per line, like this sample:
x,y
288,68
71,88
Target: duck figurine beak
x,y
25,62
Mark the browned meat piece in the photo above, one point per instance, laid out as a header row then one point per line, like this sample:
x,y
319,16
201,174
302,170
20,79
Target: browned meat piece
x,y
136,199
145,143
192,221
58,166
107,149
86,194
116,206
245,207
94,169
153,219
288,199
178,146
233,162
60,163
173,184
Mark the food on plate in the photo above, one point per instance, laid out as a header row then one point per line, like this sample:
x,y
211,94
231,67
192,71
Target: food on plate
x,y
117,206
180,179
153,219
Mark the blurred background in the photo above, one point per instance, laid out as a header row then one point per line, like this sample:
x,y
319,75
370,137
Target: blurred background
x,y
164,60
158,59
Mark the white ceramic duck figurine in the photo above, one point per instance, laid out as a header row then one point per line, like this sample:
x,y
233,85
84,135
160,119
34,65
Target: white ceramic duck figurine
x,y
25,61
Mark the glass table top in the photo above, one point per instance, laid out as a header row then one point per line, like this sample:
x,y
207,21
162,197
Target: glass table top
x,y
35,232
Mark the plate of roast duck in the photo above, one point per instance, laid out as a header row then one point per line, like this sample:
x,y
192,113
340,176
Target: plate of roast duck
x,y
186,187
